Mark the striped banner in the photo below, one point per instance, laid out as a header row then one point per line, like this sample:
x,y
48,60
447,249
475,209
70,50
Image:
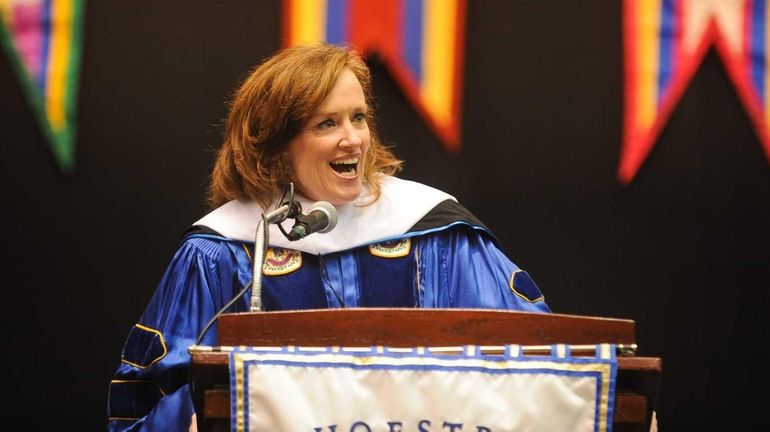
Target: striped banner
x,y
42,38
392,389
665,42
420,41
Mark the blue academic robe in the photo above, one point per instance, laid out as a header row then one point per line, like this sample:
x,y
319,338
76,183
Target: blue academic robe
x,y
446,260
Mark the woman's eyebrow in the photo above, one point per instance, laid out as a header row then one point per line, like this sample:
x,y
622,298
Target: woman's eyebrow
x,y
324,114
362,108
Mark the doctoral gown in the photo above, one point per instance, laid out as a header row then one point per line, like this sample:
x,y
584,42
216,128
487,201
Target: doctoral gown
x,y
414,246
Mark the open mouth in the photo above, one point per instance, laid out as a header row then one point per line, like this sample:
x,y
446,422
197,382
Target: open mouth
x,y
345,167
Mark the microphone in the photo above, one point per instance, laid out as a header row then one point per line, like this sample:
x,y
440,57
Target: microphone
x,y
322,218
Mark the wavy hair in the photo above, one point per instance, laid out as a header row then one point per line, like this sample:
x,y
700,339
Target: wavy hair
x,y
269,109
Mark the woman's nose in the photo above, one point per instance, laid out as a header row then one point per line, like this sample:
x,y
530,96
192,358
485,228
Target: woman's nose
x,y
352,136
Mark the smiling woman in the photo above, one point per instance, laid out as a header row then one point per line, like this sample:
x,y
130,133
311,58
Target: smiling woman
x,y
305,116
300,97
327,155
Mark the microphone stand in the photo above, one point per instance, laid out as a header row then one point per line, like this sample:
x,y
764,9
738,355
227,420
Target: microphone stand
x,y
259,259
287,210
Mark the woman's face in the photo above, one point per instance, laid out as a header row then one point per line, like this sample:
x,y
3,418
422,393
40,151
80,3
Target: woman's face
x,y
327,156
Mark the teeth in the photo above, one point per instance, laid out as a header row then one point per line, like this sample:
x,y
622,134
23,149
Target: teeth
x,y
345,167
348,161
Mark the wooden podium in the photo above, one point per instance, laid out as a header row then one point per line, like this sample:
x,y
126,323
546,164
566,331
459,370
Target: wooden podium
x,y
637,380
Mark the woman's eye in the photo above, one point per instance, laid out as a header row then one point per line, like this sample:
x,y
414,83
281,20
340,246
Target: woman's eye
x,y
359,118
326,124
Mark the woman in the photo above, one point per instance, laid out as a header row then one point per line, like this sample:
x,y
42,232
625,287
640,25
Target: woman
x,y
305,116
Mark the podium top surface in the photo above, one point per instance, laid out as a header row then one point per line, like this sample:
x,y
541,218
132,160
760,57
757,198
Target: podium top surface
x,y
408,327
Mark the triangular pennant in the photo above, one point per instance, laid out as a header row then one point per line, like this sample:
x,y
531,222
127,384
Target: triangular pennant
x,y
42,39
420,41
665,42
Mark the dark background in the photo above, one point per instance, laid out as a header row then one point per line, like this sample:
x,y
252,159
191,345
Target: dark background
x,y
681,250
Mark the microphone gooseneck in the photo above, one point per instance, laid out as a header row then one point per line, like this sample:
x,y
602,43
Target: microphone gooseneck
x,y
289,209
322,218
260,240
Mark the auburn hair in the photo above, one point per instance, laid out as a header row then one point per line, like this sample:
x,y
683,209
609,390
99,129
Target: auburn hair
x,y
270,108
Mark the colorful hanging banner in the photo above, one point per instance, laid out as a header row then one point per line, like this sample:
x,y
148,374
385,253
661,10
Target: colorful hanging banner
x,y
382,389
665,42
43,41
420,41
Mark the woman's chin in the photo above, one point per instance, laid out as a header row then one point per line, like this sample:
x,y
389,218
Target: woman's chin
x,y
343,196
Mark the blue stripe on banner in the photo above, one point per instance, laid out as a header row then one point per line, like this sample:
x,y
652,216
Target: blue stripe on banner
x,y
336,21
459,367
413,10
666,51
758,48
46,32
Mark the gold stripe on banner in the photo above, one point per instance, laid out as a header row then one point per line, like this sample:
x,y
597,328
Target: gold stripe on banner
x,y
59,55
648,14
438,61
6,12
308,21
239,392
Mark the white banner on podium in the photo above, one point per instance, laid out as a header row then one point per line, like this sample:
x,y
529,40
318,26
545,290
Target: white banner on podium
x,y
396,390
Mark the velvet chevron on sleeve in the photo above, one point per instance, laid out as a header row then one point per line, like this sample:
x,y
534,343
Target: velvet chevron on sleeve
x,y
149,390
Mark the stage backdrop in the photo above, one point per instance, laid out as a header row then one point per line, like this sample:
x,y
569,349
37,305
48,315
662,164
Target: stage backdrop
x,y
682,249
